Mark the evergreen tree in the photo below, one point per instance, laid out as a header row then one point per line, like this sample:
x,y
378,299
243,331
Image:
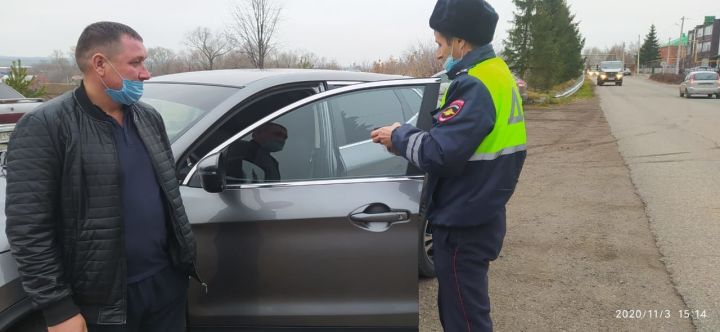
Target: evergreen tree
x,y
545,45
650,50
18,81
571,43
517,45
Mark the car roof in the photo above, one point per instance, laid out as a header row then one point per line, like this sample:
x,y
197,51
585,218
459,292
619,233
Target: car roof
x,y
702,72
243,77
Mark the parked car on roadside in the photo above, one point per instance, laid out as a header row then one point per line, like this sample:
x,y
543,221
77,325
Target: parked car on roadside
x,y
322,231
700,68
14,105
701,83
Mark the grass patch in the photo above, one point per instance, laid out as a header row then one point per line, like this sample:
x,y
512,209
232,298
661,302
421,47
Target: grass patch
x,y
545,99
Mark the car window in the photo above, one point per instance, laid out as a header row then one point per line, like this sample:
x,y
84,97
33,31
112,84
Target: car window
x,y
324,140
7,92
706,76
609,65
293,147
413,98
355,115
181,105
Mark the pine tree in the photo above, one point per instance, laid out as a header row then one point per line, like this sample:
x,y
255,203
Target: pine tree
x,y
553,53
650,50
18,81
545,63
571,43
517,45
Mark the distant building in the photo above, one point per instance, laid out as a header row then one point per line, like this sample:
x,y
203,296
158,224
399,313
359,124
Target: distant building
x,y
669,52
704,44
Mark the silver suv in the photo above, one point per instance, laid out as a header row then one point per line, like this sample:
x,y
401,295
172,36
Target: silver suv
x,y
610,72
321,229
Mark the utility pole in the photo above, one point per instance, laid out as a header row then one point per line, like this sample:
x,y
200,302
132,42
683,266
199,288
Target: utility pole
x,y
638,57
677,63
668,48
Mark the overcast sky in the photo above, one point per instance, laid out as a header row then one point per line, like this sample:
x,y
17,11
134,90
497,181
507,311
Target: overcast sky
x,y
346,30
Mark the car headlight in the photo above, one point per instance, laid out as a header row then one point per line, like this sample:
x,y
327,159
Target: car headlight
x,y
619,75
603,75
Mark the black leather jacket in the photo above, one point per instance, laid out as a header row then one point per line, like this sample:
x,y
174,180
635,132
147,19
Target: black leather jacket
x,y
64,208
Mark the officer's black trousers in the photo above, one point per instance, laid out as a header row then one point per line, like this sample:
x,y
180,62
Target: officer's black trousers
x,y
155,304
462,257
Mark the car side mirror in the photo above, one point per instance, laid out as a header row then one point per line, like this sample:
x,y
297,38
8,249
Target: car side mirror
x,y
212,173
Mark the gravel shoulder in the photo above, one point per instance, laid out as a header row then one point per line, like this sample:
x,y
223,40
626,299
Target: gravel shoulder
x,y
579,249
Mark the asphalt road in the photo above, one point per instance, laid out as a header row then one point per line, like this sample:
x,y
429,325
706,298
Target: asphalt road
x,y
672,148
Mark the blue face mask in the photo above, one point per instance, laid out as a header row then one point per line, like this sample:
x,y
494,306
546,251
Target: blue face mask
x,y
274,145
451,62
130,92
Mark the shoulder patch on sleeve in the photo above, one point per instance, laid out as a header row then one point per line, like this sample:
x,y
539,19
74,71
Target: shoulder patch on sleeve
x,y
451,111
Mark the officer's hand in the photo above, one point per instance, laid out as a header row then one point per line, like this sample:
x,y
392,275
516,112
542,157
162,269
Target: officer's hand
x,y
74,324
384,136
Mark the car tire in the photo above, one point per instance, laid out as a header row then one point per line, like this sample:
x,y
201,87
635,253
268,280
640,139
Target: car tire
x,y
426,266
599,83
682,94
710,95
687,95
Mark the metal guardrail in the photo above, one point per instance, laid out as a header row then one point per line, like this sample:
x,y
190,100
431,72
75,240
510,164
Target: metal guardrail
x,y
573,89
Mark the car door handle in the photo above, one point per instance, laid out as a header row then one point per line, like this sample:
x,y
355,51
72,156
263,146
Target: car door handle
x,y
377,217
389,217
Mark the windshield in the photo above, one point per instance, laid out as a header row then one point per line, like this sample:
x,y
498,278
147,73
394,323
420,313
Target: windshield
x,y
611,65
182,105
7,92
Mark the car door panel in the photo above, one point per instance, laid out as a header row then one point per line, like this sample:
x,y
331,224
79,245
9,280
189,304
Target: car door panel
x,y
304,263
287,254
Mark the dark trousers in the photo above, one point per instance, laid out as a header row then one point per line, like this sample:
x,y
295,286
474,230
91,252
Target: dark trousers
x,y
462,257
154,304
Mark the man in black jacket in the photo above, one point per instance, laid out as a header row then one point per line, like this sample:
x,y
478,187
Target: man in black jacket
x,y
94,214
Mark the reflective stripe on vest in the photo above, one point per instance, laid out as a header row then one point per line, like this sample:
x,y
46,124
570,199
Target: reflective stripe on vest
x,y
508,135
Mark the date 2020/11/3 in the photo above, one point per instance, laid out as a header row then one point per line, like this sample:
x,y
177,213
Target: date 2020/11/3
x,y
660,314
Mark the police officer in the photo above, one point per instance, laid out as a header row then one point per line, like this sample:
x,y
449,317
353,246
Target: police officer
x,y
473,155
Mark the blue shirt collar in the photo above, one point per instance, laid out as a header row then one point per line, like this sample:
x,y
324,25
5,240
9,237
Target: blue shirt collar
x,y
477,55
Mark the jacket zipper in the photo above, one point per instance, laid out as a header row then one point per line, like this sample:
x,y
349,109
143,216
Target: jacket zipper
x,y
123,259
173,220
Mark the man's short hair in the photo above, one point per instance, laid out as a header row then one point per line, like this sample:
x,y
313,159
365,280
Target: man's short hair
x,y
270,125
101,36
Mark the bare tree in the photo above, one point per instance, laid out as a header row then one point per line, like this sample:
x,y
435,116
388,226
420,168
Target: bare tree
x,y
421,60
189,60
234,60
210,46
62,65
56,69
418,61
160,60
253,28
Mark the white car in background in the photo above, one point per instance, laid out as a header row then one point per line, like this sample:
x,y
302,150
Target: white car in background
x,y
701,83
